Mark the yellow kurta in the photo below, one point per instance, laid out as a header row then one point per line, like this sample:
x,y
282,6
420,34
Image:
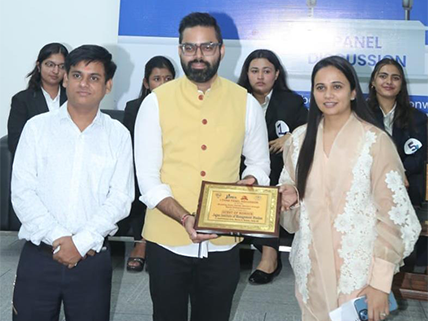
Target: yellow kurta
x,y
355,224
202,139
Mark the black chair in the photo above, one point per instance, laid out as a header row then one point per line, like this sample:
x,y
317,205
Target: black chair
x,y
115,114
8,219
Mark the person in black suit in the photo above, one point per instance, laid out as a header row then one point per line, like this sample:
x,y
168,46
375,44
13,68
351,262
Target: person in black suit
x,y
264,77
158,70
389,99
44,92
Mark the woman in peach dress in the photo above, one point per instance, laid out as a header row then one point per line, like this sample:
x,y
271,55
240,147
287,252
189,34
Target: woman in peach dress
x,y
345,200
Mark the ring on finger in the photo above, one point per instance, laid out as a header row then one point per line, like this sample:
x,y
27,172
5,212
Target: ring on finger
x,y
383,315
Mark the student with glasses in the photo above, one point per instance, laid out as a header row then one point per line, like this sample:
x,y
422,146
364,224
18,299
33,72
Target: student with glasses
x,y
44,92
189,130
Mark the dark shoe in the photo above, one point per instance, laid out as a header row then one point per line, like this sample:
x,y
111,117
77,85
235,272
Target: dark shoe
x,y
135,268
260,277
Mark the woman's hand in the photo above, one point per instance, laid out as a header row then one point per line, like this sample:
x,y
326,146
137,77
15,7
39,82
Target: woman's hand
x,y
289,196
406,182
377,303
276,146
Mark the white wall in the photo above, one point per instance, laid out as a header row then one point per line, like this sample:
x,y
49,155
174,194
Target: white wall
x,y
27,25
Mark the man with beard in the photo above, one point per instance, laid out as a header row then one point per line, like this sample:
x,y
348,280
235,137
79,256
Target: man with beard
x,y
192,129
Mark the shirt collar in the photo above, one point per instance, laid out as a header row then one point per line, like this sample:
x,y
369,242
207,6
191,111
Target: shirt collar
x,y
214,85
64,114
391,112
267,99
47,96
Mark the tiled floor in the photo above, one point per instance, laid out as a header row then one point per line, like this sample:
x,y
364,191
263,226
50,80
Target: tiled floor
x,y
131,299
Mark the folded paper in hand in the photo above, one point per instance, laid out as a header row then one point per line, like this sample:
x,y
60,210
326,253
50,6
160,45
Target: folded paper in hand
x,y
346,312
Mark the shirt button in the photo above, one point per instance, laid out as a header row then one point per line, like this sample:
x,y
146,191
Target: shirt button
x,y
203,173
201,97
204,121
204,147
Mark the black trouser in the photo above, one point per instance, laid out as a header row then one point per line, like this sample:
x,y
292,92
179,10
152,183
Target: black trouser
x,y
42,284
209,282
259,242
135,221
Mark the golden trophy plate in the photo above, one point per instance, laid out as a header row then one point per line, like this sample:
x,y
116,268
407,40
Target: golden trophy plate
x,y
239,210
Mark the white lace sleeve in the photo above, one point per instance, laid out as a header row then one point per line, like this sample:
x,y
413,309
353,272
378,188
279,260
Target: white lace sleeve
x,y
290,219
402,212
397,225
290,155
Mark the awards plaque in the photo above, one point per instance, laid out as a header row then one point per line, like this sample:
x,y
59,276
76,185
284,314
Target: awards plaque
x,y
240,210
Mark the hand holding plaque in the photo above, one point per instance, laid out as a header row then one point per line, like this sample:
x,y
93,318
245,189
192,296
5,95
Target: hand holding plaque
x,y
189,226
231,209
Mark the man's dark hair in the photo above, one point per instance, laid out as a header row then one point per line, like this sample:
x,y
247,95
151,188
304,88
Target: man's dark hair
x,y
199,19
91,53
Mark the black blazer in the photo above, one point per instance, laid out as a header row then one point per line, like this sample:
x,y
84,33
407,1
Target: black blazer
x,y
131,110
414,163
286,111
289,108
25,105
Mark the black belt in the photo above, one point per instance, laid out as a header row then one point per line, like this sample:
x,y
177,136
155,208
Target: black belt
x,y
43,247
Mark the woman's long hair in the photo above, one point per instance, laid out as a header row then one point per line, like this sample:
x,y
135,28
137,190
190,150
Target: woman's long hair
x,y
358,106
155,62
35,81
281,81
403,110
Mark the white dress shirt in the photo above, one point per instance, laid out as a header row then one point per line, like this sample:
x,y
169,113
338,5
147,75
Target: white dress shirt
x,y
388,119
266,102
53,104
149,155
71,183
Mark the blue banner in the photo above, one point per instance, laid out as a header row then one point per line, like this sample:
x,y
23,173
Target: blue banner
x,y
253,19
300,32
419,102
